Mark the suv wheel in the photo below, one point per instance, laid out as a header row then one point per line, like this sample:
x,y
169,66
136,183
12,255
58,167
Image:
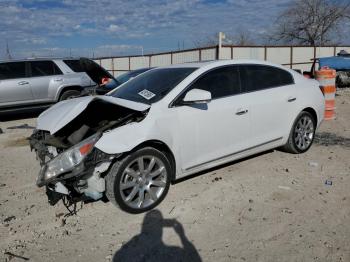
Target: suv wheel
x,y
302,134
69,94
140,181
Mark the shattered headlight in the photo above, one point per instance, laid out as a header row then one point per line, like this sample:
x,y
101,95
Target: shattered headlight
x,y
70,158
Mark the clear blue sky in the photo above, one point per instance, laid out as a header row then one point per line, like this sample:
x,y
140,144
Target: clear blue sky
x,y
106,27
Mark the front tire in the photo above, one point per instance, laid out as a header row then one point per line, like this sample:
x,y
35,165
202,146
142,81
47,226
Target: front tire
x,y
302,134
140,181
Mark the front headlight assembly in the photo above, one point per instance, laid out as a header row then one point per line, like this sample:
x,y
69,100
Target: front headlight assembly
x,y
68,160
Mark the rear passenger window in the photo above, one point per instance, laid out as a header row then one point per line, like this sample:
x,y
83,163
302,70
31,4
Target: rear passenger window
x,y
220,82
12,70
258,77
286,78
74,65
44,68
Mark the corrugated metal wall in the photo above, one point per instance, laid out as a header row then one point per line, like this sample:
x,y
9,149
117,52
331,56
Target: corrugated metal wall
x,y
296,57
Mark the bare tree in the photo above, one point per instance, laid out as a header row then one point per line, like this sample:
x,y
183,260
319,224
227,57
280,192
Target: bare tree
x,y
242,38
311,22
211,40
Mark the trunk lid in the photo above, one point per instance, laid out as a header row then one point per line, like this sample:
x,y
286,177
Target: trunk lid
x,y
95,71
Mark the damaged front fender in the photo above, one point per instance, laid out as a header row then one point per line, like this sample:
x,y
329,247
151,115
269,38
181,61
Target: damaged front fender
x,y
65,139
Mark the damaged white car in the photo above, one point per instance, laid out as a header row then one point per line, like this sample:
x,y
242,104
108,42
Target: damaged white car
x,y
170,122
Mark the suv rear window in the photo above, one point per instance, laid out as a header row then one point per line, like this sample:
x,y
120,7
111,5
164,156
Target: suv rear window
x,y
12,70
74,65
44,68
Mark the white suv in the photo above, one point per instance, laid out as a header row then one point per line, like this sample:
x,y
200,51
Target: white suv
x,y
36,82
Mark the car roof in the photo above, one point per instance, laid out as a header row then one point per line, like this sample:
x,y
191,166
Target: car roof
x,y
215,63
39,59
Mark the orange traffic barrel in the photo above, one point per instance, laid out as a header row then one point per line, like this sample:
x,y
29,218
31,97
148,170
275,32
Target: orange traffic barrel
x,y
326,77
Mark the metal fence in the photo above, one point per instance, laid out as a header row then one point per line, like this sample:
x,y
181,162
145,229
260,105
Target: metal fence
x,y
295,57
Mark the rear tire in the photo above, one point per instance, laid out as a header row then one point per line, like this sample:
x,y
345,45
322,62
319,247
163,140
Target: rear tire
x,y
302,134
69,94
140,181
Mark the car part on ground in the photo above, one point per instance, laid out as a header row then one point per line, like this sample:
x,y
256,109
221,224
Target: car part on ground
x,y
169,123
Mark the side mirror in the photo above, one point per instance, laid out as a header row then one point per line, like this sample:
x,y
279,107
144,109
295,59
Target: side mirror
x,y
197,96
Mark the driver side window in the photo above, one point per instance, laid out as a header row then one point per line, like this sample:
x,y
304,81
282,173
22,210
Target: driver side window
x,y
220,82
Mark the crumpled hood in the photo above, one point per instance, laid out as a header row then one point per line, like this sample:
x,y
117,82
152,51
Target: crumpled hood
x,y
59,115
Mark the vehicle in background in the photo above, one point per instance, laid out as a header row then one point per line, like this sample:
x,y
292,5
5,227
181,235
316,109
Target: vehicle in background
x,y
42,82
110,84
129,75
340,63
168,123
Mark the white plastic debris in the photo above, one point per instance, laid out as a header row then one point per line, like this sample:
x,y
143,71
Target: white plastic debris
x,y
313,164
284,187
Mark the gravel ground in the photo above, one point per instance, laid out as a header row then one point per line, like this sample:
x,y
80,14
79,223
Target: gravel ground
x,y
271,207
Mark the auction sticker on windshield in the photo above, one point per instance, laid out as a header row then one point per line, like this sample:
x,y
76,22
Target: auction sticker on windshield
x,y
146,94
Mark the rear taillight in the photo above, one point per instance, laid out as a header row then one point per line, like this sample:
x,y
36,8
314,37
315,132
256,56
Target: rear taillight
x,y
321,90
104,80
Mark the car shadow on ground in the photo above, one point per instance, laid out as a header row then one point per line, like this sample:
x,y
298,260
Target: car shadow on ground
x,y
148,245
19,114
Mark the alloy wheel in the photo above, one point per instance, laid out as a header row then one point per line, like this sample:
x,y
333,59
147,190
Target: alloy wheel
x,y
143,182
304,132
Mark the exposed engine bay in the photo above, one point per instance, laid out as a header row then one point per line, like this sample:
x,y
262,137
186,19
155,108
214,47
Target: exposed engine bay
x,y
72,169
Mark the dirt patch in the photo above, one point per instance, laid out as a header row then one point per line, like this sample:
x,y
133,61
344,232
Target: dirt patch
x,y
330,139
17,142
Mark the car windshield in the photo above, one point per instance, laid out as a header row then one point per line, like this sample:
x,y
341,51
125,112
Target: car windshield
x,y
152,85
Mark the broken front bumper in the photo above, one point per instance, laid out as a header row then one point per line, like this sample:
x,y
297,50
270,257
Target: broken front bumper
x,y
85,181
56,192
78,171
88,186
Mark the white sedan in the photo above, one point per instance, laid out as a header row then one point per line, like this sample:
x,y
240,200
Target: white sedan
x,y
169,123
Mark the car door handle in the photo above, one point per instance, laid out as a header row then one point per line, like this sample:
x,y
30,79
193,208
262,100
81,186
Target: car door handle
x,y
291,99
241,112
23,83
58,79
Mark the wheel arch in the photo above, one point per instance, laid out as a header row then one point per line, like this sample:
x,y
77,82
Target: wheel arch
x,y
66,88
312,112
308,109
164,148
